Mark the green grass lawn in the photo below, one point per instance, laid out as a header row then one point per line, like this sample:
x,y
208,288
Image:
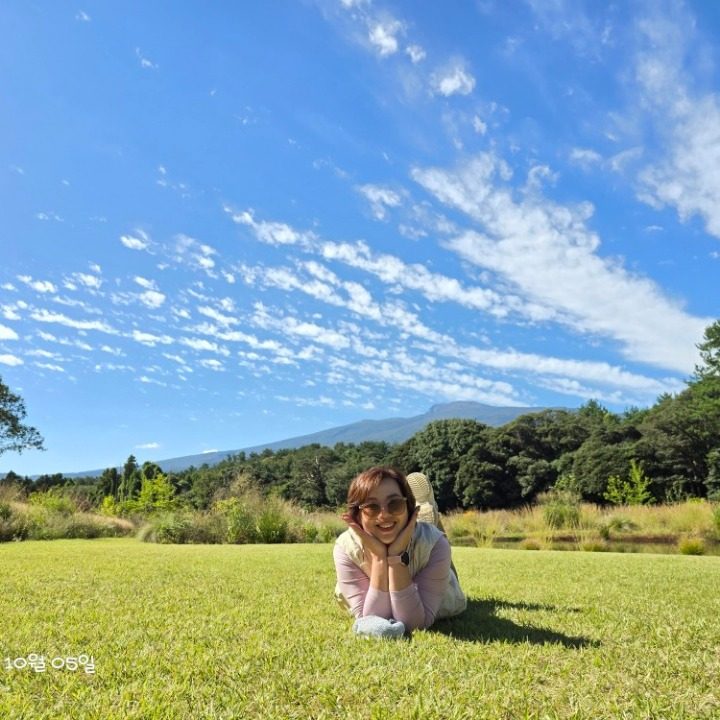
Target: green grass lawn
x,y
208,631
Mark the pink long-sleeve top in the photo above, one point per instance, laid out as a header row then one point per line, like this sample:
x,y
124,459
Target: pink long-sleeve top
x,y
415,606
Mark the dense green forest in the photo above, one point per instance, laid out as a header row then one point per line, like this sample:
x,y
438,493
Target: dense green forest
x,y
664,453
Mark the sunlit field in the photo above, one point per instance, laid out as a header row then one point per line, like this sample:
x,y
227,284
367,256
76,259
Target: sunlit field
x,y
220,631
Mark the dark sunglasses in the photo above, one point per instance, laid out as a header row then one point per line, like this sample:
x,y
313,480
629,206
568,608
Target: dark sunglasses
x,y
396,506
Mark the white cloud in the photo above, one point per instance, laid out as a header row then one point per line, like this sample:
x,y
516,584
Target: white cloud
x,y
585,157
139,241
145,283
145,62
686,174
391,270
152,299
50,366
272,233
326,286
380,198
50,317
7,333
145,338
11,360
204,345
151,381
194,253
92,282
453,80
290,326
550,255
148,446
687,178
41,286
82,16
212,364
479,126
49,216
383,36
416,53
217,316
44,354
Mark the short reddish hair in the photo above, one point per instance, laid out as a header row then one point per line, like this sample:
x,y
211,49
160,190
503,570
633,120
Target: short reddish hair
x,y
363,485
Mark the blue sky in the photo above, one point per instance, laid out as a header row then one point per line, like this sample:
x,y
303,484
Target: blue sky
x,y
225,224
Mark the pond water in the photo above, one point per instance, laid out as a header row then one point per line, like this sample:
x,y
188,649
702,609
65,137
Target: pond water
x,y
621,546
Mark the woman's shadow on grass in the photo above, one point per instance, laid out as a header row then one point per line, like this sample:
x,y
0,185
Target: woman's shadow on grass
x,y
480,623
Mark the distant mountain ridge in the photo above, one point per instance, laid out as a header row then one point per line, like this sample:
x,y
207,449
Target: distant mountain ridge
x,y
390,430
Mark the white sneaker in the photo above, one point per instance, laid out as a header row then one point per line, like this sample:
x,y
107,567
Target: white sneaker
x,y
424,498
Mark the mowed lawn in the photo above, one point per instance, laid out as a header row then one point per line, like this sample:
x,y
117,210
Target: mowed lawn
x,y
203,631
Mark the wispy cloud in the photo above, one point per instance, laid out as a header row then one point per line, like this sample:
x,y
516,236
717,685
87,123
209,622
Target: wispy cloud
x,y
46,316
7,333
139,241
548,252
416,53
380,199
383,36
152,299
145,283
144,61
150,339
41,286
148,446
12,360
49,215
453,79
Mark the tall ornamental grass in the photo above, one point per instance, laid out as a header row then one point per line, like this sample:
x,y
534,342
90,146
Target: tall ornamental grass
x,y
558,518
243,519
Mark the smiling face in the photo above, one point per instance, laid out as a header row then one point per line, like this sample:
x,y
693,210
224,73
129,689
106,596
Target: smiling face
x,y
385,526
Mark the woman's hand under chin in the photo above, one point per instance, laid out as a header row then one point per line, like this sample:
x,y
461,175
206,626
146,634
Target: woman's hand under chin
x,y
376,548
400,543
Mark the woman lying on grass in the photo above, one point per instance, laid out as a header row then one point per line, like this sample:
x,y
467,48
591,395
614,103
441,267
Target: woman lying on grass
x,y
393,564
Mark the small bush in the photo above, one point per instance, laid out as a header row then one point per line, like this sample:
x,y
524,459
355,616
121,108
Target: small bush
x,y
272,526
239,520
691,546
206,528
109,506
54,501
5,511
166,528
331,530
561,509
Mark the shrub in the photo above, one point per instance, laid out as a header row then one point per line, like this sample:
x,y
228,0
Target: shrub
x,y
716,520
239,520
330,530
272,526
109,506
633,491
561,509
691,546
207,528
5,511
166,528
54,501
